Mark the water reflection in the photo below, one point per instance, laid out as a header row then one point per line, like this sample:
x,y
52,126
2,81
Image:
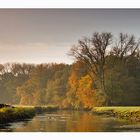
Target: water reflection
x,y
71,121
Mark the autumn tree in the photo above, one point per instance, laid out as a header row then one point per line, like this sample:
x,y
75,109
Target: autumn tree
x,y
32,91
78,69
92,51
96,52
85,92
56,86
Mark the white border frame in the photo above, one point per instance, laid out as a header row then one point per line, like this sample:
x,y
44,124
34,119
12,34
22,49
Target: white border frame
x,y
69,4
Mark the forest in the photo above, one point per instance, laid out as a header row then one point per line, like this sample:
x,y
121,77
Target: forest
x,y
105,72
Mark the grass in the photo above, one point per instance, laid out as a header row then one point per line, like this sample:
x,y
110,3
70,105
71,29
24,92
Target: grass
x,y
48,108
15,114
127,113
19,113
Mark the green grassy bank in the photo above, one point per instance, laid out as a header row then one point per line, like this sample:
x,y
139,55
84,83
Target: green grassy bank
x,y
15,114
127,113
20,113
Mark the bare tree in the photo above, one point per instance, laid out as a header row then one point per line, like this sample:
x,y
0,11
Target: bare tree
x,y
93,51
126,46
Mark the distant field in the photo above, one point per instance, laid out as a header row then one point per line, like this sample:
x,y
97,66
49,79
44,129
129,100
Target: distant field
x,y
128,113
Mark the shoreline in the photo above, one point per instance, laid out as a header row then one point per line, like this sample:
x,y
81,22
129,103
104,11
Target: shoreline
x,y
18,113
124,113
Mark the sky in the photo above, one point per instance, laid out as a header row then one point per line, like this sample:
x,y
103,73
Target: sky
x,y
46,35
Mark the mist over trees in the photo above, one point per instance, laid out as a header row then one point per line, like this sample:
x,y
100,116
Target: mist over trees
x,y
106,71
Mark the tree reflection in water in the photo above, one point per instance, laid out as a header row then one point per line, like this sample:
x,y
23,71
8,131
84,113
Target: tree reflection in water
x,y
69,121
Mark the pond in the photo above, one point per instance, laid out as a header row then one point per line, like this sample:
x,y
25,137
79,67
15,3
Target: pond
x,y
71,121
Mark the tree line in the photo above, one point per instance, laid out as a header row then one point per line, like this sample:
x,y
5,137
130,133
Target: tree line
x,y
105,72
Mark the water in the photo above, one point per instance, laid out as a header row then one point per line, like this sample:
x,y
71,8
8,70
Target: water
x,y
71,121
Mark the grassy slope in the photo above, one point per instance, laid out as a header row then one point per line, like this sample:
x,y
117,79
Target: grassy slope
x,y
128,113
15,114
22,112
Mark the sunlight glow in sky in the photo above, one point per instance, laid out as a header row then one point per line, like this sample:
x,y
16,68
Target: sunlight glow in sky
x,y
46,35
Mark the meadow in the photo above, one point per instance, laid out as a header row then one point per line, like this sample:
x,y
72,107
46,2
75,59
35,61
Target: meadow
x,y
121,112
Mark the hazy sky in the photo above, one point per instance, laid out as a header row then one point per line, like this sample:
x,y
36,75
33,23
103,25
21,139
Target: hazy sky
x,y
46,35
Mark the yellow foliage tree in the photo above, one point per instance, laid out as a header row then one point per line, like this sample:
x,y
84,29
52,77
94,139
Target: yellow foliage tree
x,y
85,92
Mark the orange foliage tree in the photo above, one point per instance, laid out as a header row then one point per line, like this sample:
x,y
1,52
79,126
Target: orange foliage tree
x,y
85,92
